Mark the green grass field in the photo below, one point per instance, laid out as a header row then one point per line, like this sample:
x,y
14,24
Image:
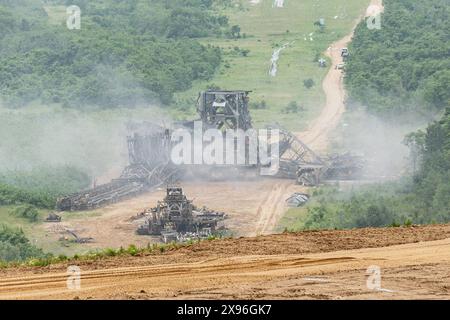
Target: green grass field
x,y
39,234
266,29
294,219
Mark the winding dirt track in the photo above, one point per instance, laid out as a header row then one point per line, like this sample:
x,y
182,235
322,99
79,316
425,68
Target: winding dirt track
x,y
271,210
414,263
317,134
333,86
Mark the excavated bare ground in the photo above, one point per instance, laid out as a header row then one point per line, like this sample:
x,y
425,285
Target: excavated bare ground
x,y
415,264
305,242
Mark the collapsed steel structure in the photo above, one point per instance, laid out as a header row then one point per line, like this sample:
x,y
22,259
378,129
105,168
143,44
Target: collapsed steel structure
x,y
150,166
177,217
297,160
224,109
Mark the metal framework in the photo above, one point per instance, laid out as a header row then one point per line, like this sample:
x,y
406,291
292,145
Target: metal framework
x,y
149,150
150,167
224,109
176,215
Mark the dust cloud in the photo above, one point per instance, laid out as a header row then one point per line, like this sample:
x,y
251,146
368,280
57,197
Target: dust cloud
x,y
94,141
379,141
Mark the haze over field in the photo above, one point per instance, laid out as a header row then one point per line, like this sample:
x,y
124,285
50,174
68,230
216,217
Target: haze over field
x,y
364,172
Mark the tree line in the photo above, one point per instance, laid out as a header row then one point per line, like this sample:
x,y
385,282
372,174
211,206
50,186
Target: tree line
x,y
400,69
405,65
421,198
125,54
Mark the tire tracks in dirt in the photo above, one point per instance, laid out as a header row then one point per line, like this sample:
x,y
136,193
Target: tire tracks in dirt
x,y
269,276
271,209
317,135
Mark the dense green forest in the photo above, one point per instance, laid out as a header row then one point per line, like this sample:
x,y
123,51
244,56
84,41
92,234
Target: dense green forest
x,y
400,69
422,198
126,52
405,65
40,186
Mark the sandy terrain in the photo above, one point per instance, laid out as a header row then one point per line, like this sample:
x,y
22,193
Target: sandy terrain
x,y
414,264
255,208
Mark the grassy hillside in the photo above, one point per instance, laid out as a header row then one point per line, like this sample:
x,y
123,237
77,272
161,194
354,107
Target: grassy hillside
x,y
393,74
404,66
126,53
262,30
40,234
144,52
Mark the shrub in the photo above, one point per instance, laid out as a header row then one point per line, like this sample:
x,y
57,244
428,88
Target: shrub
x,y
110,252
14,246
292,107
28,212
408,223
132,250
258,105
308,83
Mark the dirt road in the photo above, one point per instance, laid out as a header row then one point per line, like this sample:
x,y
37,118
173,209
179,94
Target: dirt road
x,y
414,264
316,136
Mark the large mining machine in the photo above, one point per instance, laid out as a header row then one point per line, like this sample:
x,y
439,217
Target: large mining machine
x,y
150,165
177,216
224,109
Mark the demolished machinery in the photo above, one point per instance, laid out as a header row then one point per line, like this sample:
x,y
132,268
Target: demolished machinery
x,y
224,109
229,110
176,218
150,165
53,217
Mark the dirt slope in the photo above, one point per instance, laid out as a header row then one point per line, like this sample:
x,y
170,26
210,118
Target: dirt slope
x,y
414,263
